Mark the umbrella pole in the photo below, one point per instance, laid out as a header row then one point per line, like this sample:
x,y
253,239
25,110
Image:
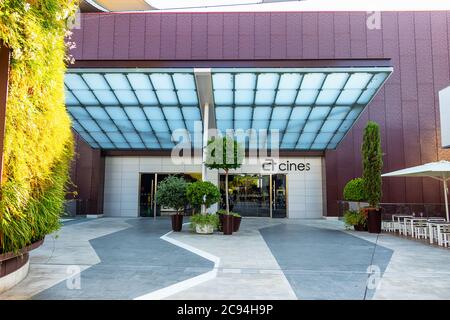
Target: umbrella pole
x,y
446,198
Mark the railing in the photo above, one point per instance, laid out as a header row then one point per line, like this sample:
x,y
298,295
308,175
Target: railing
x,y
417,209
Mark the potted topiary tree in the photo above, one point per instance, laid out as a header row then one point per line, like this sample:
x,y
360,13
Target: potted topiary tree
x,y
203,193
225,153
372,167
171,193
354,191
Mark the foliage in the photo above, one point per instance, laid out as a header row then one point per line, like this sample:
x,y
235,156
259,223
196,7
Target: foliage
x,y
38,141
204,219
202,193
171,193
354,190
225,153
372,163
353,218
222,211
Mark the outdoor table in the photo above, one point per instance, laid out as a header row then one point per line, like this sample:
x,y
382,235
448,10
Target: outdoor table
x,y
437,225
399,217
411,220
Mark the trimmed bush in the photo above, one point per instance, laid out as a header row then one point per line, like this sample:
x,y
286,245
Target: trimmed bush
x,y
354,190
224,153
38,141
171,193
202,193
372,163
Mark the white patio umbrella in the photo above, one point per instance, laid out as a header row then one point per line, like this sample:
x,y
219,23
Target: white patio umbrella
x,y
437,170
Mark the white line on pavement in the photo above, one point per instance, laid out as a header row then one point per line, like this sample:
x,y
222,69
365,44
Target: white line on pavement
x,y
186,284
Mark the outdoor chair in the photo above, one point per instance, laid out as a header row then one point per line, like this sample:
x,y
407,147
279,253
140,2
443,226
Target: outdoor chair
x,y
434,229
403,227
445,236
388,225
420,229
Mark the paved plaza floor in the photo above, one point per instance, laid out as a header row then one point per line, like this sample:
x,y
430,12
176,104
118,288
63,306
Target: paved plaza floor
x,y
139,258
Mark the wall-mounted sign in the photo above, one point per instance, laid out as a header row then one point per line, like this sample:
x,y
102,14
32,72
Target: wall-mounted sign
x,y
272,165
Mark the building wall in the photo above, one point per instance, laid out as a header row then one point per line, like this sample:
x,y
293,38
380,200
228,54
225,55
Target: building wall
x,y
87,173
406,108
122,183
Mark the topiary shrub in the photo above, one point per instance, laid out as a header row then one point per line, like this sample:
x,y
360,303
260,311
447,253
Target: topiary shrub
x,y
224,153
171,193
38,142
202,193
372,163
354,190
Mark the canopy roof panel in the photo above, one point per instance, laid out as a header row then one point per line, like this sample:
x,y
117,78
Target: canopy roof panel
x,y
131,110
310,108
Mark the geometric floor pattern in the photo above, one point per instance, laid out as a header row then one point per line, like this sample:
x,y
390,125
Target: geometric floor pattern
x,y
122,258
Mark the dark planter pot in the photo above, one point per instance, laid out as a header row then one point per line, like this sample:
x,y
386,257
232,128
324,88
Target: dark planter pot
x,y
177,222
373,220
360,227
227,225
220,226
12,261
236,223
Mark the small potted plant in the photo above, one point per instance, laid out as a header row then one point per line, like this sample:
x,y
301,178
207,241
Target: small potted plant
x,y
171,193
203,194
204,223
356,218
372,167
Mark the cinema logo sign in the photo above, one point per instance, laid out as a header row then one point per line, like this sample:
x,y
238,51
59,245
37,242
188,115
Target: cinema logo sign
x,y
270,165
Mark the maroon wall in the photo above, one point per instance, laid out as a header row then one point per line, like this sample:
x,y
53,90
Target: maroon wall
x,y
406,108
88,174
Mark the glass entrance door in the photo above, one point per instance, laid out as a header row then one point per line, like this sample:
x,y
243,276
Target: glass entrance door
x,y
149,185
249,194
147,195
279,196
254,195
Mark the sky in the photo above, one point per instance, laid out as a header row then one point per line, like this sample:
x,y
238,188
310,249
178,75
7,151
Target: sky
x,y
306,5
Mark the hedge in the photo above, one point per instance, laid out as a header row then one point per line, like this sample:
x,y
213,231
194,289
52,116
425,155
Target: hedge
x,y
354,190
38,141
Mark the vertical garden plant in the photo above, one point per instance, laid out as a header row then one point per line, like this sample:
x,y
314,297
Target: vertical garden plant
x,y
38,145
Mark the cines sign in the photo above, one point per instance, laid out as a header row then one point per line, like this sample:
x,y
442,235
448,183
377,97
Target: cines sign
x,y
270,165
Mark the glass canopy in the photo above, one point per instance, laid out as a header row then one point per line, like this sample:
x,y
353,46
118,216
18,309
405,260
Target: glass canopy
x,y
131,110
310,109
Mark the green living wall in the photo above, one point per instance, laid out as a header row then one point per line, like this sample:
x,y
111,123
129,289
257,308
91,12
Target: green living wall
x,y
38,141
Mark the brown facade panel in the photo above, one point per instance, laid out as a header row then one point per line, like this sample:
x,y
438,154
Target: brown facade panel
x,y
416,44
88,175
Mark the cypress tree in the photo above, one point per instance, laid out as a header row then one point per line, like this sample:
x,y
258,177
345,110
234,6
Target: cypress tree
x,y
372,163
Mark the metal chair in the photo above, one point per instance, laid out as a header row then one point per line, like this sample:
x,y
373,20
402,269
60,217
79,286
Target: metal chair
x,y
420,229
444,236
